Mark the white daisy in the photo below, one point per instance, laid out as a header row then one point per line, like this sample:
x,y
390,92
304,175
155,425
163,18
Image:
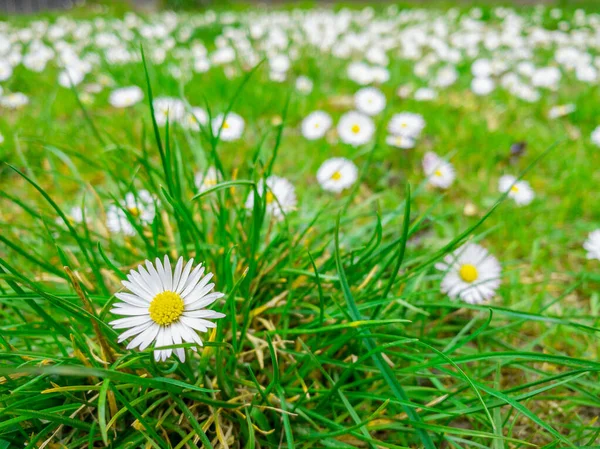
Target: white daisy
x,y
482,85
206,180
125,96
14,100
369,100
561,111
472,274
406,124
403,142
117,221
316,124
304,85
1,139
75,214
440,173
355,128
280,196
169,108
520,191
231,127
69,77
6,70
194,119
166,307
337,174
446,76
592,245
425,94
140,206
596,136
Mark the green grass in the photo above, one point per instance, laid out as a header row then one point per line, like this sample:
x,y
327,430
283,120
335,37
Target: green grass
x,y
336,332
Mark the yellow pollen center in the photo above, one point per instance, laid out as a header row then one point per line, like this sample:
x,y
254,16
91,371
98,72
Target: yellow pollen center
x,y
514,189
355,129
270,197
438,173
134,211
225,125
210,182
468,273
336,176
403,125
316,126
166,308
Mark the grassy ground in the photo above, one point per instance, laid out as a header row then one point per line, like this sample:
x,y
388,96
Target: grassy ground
x,y
337,334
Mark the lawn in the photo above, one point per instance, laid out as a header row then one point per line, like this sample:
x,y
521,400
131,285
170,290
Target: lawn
x,y
300,227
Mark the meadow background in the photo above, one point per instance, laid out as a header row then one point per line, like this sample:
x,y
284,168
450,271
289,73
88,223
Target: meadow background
x,y
337,334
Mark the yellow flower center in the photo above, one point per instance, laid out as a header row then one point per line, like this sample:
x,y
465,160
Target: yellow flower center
x,y
166,308
316,126
209,182
225,125
438,173
135,211
468,273
270,197
355,129
514,189
403,125
336,176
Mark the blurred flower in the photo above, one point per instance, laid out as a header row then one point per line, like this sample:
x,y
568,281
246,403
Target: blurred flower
x,y
355,128
125,96
400,142
304,85
206,180
470,210
279,195
471,274
439,173
166,307
117,221
596,136
561,111
316,124
140,207
5,70
520,191
369,100
592,245
337,174
406,124
70,76
425,94
14,100
482,86
169,108
194,119
547,77
231,128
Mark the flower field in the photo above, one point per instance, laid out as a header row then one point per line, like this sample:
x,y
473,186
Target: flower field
x,y
300,227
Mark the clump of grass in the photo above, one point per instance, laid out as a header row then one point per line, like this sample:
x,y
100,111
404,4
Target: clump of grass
x,y
336,334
